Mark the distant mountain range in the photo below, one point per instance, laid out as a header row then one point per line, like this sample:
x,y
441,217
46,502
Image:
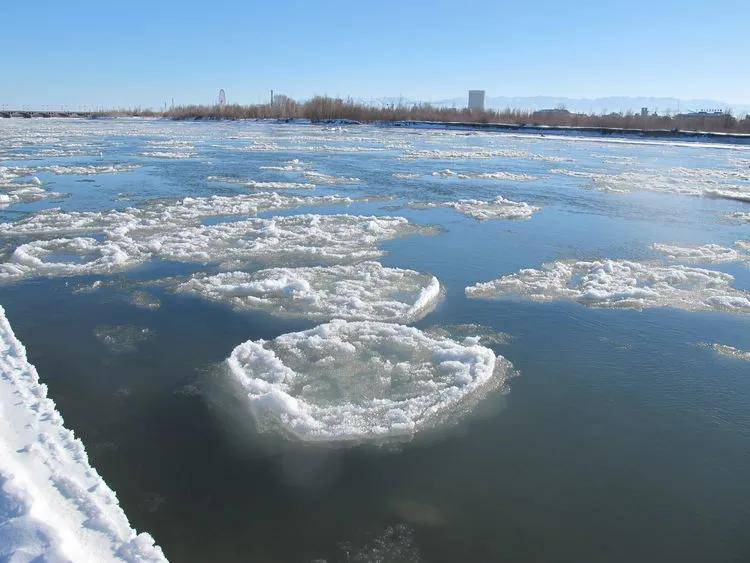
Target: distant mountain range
x,y
580,105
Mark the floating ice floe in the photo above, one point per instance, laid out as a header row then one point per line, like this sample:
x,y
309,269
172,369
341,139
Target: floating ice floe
x,y
365,291
682,181
741,216
359,381
406,175
320,178
161,216
706,253
294,165
135,235
731,352
174,154
438,154
89,169
24,194
498,208
309,237
70,257
621,284
53,505
262,185
171,143
510,176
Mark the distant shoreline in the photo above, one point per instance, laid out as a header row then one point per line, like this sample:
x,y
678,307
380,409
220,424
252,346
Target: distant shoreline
x,y
531,129
739,138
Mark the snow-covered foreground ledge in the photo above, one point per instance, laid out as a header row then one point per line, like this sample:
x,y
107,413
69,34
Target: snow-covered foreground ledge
x,y
53,505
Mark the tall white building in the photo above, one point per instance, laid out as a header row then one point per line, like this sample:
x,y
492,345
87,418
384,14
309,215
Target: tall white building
x,y
476,100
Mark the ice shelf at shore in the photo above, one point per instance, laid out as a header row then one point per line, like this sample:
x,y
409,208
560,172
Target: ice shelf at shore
x,y
53,505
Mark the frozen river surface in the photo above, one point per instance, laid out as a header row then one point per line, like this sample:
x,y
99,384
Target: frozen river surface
x,y
292,342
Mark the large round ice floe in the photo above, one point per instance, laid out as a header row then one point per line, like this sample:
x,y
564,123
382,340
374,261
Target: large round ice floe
x,y
70,257
357,381
161,216
622,284
310,237
367,291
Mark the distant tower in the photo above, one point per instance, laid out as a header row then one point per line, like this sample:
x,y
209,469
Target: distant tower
x,y
476,100
222,98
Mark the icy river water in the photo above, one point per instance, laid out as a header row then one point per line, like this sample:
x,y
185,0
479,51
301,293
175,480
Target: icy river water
x,y
292,342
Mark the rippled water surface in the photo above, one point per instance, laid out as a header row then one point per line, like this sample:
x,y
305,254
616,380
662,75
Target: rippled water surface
x,y
621,434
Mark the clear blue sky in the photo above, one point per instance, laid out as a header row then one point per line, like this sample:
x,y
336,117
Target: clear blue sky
x,y
143,53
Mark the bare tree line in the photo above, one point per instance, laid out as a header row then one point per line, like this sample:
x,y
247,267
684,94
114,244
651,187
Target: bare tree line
x,y
323,108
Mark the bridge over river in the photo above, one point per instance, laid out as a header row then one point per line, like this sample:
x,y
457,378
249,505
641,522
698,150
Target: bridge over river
x,y
44,113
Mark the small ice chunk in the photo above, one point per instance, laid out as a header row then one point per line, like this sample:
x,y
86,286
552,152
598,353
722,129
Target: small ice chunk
x,y
121,339
498,208
502,175
731,352
706,253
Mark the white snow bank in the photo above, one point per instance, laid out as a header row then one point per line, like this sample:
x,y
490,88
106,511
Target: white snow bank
x,y
367,291
53,505
358,381
498,208
621,284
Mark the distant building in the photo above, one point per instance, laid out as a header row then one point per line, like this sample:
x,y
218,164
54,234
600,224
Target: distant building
x,y
644,112
476,100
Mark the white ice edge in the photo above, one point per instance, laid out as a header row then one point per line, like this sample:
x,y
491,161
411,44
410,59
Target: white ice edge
x,y
53,505
621,284
362,291
361,381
